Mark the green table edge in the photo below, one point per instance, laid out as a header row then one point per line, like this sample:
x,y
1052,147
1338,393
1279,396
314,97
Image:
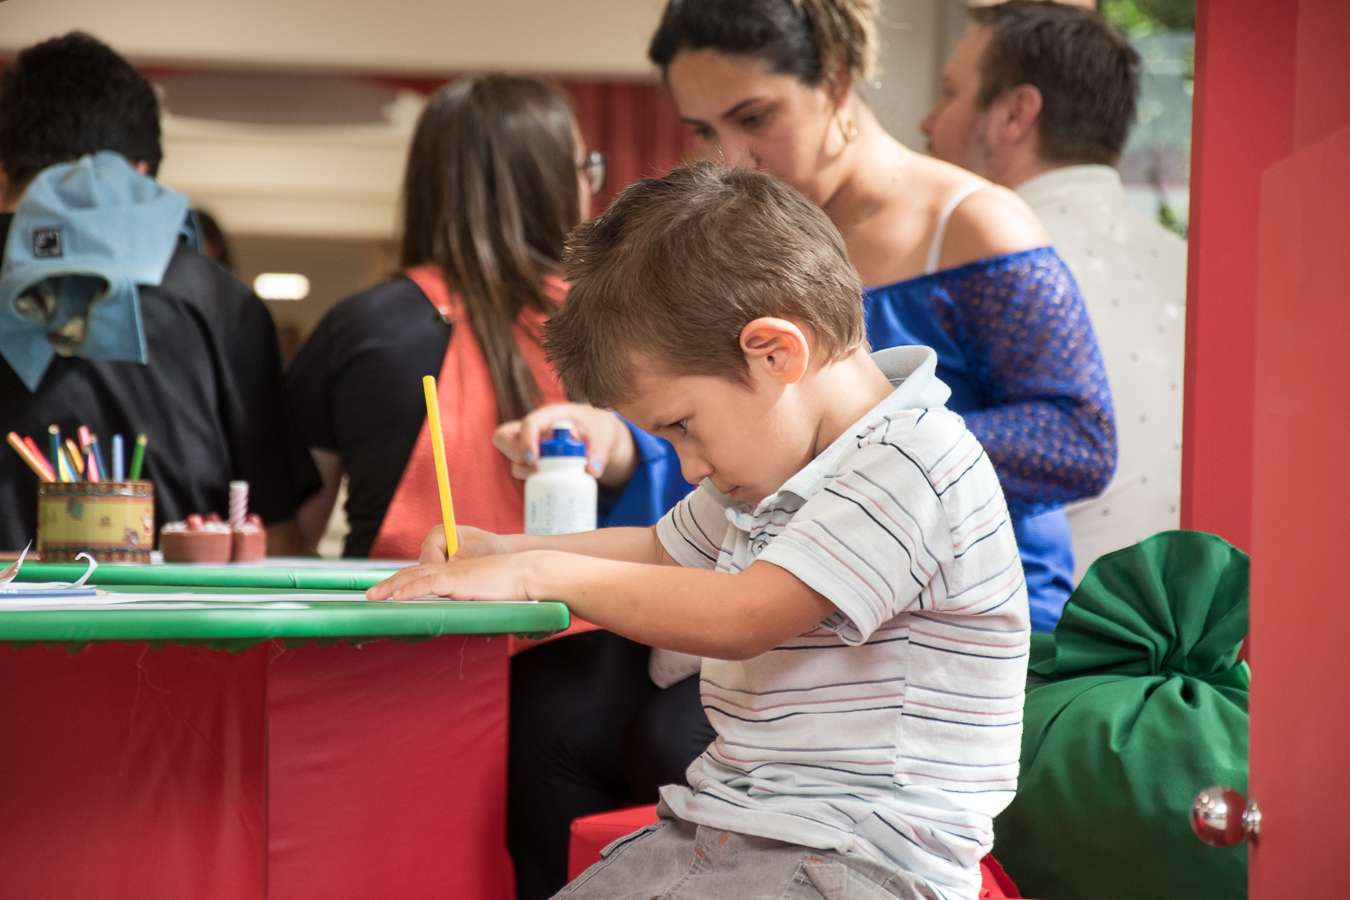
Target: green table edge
x,y
355,621
357,618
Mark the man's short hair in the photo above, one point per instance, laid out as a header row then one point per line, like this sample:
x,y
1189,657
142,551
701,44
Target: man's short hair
x,y
1086,71
669,276
70,96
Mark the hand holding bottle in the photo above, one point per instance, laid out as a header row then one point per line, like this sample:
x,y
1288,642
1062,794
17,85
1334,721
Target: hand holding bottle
x,y
610,453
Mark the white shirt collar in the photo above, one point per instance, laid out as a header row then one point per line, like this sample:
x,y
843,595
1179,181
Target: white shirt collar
x,y
912,370
1070,182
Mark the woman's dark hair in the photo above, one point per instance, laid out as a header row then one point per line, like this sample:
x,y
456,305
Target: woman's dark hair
x,y
489,196
70,96
1086,71
809,39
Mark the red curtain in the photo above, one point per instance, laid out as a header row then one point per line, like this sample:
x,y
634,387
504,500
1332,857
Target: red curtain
x,y
633,122
636,124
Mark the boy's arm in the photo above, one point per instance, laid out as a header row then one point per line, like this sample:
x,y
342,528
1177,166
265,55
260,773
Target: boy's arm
x,y
696,611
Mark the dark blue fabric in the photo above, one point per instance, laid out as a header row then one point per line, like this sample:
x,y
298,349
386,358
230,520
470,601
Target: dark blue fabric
x,y
655,487
1046,547
1015,345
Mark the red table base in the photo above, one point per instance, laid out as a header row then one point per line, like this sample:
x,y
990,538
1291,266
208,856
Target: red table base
x,y
359,772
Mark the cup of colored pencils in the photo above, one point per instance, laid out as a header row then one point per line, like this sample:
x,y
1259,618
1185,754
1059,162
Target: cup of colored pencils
x,y
85,505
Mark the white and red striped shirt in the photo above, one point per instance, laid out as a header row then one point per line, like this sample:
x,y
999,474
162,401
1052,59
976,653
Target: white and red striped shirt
x,y
891,730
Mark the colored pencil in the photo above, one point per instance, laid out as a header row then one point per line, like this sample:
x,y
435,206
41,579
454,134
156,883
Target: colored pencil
x,y
37,455
97,458
64,468
75,457
137,459
54,433
438,454
68,472
93,466
119,467
35,461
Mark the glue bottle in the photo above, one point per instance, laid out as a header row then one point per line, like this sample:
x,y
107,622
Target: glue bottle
x,y
560,498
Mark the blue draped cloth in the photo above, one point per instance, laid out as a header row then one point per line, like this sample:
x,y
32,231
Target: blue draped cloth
x,y
1015,345
655,487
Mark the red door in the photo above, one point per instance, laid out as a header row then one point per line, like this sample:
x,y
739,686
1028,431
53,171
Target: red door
x,y
1267,462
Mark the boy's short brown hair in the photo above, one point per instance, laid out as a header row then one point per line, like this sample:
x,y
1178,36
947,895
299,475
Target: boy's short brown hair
x,y
674,270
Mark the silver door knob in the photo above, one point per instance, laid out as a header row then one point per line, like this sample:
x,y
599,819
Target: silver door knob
x,y
1221,817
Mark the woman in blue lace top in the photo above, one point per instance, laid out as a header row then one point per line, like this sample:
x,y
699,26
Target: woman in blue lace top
x,y
953,261
1015,346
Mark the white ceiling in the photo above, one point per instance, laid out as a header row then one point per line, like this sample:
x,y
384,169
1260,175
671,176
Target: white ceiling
x,y
600,37
262,130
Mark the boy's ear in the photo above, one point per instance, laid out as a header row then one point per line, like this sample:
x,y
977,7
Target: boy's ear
x,y
777,347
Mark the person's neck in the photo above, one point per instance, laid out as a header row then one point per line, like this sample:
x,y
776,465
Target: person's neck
x,y
867,170
844,392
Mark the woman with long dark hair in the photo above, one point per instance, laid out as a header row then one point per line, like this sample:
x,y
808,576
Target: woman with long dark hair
x,y
497,176
495,181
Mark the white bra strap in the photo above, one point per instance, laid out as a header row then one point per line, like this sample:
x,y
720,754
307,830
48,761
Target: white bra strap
x,y
935,248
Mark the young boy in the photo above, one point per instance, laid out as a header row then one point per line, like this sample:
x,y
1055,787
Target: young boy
x,y
847,567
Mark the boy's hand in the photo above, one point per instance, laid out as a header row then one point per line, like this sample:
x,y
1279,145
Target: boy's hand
x,y
610,454
481,578
472,542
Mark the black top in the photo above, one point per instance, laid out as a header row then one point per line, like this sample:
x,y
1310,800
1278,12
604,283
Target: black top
x,y
357,386
211,401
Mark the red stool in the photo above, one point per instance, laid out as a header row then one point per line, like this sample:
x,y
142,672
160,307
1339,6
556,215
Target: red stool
x,y
591,834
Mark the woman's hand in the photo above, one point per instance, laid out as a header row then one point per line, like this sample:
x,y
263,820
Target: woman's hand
x,y
611,456
472,542
482,578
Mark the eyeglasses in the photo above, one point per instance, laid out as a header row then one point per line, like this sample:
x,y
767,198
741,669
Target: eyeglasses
x,y
594,168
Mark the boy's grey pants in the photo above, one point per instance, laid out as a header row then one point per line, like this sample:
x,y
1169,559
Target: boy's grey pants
x,y
678,860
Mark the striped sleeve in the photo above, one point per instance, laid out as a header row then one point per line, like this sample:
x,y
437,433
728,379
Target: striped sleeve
x,y
875,541
693,531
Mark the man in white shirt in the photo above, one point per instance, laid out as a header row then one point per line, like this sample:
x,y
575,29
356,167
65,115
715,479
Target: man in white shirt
x,y
1039,97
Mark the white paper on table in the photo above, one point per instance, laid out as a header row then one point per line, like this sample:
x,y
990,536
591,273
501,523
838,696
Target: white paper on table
x,y
184,600
30,591
289,562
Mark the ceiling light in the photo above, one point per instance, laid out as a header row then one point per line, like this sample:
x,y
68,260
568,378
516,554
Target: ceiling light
x,y
281,286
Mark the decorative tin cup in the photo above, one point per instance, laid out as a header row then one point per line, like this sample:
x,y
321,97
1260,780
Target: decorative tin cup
x,y
113,521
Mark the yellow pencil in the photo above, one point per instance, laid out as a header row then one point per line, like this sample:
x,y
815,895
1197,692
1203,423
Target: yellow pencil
x,y
438,453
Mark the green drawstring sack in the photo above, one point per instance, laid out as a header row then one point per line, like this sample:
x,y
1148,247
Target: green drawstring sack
x,y
1135,703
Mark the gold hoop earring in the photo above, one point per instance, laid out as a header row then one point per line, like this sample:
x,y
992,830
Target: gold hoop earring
x,y
849,132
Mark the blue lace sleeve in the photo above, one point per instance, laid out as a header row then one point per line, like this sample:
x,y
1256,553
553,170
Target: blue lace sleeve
x,y
656,485
1045,418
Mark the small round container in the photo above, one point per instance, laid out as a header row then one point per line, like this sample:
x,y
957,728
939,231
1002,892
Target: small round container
x,y
197,540
250,540
112,521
